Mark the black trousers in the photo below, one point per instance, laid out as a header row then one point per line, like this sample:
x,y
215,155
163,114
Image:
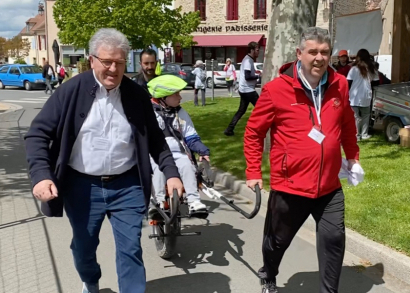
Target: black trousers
x,y
246,98
286,214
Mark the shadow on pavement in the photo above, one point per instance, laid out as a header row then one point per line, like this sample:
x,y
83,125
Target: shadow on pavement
x,y
355,279
23,230
197,282
106,290
211,246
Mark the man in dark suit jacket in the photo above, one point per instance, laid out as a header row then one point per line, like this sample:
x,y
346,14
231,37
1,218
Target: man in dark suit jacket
x,y
89,150
148,62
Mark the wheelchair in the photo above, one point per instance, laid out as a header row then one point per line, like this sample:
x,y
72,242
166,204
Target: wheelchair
x,y
167,227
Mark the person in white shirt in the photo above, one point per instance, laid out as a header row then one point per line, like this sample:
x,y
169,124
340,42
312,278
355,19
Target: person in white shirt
x,y
89,151
362,77
247,83
230,75
200,80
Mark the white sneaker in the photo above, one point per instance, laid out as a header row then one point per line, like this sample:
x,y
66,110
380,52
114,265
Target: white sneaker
x,y
197,206
90,288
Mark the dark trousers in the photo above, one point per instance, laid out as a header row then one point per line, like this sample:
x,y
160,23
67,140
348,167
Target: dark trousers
x,y
246,98
202,97
48,85
286,214
87,202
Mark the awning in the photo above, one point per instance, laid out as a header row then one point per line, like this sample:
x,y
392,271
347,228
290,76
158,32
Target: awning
x,y
226,40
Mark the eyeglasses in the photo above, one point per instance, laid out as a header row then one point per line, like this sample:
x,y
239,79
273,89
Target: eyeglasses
x,y
107,63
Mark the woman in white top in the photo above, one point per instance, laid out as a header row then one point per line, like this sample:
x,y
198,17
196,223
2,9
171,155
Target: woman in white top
x,y
200,79
230,75
361,78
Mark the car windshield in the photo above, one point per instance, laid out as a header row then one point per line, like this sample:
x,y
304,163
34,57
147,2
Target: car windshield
x,y
221,67
30,69
259,66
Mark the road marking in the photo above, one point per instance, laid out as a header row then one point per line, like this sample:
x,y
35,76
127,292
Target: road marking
x,y
21,91
39,100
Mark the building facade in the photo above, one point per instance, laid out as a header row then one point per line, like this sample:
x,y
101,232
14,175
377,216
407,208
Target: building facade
x,y
35,33
227,26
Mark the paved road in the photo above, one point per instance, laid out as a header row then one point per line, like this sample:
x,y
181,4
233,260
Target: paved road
x,y
35,255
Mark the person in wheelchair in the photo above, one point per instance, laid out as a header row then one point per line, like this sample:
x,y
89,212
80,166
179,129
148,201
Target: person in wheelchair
x,y
182,139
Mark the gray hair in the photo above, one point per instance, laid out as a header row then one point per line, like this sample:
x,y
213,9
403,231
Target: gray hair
x,y
111,39
314,34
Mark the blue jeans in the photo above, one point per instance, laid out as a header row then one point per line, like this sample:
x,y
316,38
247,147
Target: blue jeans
x,y
87,201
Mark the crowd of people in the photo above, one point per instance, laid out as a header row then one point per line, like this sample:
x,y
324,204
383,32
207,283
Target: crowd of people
x,y
102,142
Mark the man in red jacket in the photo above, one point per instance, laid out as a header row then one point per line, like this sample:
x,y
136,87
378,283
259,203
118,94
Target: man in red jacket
x,y
308,112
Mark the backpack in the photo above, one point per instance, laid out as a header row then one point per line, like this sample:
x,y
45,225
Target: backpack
x,y
50,71
62,72
202,75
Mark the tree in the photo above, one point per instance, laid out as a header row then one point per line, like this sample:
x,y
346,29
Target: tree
x,y
288,20
3,49
144,22
17,47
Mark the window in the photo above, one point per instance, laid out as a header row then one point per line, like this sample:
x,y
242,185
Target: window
x,y
232,10
4,69
259,9
200,5
14,70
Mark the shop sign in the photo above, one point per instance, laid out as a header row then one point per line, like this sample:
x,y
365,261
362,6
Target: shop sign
x,y
232,28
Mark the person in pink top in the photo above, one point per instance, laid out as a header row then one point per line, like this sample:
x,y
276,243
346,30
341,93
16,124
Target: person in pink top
x,y
230,75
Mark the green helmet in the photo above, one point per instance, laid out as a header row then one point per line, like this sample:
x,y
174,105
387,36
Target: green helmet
x,y
165,85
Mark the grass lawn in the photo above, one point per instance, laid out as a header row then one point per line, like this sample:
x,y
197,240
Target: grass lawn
x,y
378,208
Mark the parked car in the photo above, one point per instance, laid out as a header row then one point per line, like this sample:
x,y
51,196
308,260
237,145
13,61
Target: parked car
x,y
182,70
219,76
23,75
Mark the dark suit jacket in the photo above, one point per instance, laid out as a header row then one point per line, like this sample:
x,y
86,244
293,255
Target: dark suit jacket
x,y
52,134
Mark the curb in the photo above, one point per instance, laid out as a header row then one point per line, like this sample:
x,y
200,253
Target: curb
x,y
9,107
395,263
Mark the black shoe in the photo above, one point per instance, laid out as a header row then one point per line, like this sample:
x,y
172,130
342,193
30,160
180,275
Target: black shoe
x,y
269,287
153,214
229,132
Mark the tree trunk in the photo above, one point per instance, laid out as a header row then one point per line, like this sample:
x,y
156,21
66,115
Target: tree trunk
x,y
289,18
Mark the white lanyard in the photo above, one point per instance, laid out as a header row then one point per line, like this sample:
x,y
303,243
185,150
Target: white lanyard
x,y
318,105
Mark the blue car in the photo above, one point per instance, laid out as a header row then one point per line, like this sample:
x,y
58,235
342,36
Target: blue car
x,y
25,76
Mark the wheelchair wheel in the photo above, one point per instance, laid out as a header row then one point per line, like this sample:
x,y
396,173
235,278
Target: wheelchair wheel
x,y
166,246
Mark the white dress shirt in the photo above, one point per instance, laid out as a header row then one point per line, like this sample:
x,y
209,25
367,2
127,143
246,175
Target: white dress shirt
x,y
105,144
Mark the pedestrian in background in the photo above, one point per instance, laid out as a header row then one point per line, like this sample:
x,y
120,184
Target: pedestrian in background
x,y
309,116
61,73
247,83
200,81
230,76
89,151
48,74
362,78
148,62
342,66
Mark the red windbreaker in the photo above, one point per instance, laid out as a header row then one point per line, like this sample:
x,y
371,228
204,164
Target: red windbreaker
x,y
299,165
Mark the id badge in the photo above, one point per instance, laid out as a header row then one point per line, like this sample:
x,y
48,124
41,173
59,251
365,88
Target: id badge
x,y
100,143
316,135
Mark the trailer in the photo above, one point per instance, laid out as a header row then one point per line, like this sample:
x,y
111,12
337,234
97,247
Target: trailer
x,y
391,109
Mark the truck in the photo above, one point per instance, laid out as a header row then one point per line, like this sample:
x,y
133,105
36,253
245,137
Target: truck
x,y
391,109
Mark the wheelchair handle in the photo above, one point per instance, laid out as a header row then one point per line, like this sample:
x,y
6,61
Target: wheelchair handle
x,y
174,208
258,194
241,211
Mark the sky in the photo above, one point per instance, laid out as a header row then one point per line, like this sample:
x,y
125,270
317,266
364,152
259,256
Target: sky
x,y
14,14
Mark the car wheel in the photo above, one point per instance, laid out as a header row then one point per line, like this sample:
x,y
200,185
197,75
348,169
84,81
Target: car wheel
x,y
1,85
28,86
209,83
392,129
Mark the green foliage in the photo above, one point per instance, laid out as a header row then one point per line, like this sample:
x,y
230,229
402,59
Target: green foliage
x,y
19,61
17,47
144,22
3,48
